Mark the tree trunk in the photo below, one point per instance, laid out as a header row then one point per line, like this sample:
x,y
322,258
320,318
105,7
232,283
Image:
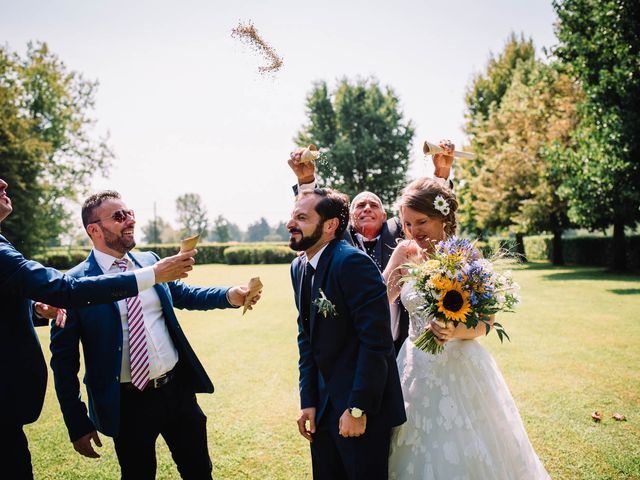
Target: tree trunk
x,y
619,247
557,255
520,247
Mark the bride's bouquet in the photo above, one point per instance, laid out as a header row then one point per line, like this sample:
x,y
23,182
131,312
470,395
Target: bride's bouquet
x,y
459,286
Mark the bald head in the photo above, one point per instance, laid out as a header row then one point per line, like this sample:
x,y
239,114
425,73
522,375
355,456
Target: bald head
x,y
367,214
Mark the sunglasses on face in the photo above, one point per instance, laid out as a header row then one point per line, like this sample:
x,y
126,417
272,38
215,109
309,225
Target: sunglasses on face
x,y
119,216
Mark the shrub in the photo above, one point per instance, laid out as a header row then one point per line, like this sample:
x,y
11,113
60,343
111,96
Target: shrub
x,y
502,243
538,247
61,259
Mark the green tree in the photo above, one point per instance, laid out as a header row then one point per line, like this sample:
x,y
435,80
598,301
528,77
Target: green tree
x,y
282,231
154,229
483,98
517,188
192,215
235,233
47,154
220,231
258,231
367,141
600,40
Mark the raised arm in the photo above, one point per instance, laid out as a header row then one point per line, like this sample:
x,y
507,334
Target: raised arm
x,y
442,162
406,251
305,172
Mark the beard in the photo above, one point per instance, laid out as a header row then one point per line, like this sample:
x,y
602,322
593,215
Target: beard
x,y
117,242
305,242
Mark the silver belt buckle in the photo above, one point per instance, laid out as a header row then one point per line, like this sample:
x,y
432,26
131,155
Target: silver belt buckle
x,y
161,380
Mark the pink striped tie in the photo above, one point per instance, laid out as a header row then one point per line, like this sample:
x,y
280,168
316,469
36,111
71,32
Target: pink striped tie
x,y
138,356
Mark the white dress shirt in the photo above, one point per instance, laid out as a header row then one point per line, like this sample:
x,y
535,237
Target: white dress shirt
x,y
315,260
162,354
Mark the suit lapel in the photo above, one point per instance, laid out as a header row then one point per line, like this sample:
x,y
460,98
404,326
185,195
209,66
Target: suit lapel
x,y
92,269
318,281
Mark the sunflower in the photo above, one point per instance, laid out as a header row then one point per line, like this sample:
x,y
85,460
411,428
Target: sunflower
x,y
454,302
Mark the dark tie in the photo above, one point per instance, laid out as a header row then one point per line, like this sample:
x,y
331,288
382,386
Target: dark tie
x,y
370,247
305,292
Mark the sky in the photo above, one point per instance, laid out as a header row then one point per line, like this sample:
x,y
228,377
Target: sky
x,y
187,111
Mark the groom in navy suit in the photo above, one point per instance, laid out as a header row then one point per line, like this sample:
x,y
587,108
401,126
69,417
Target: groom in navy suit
x,y
22,367
121,405
350,395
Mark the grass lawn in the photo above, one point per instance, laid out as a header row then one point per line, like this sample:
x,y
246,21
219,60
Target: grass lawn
x,y
575,348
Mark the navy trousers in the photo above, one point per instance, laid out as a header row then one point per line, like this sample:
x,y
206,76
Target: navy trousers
x,y
356,458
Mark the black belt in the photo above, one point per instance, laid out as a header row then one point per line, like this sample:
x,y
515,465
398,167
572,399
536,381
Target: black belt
x,y
154,383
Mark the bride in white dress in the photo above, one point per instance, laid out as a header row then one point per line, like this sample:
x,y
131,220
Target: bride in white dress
x,y
462,422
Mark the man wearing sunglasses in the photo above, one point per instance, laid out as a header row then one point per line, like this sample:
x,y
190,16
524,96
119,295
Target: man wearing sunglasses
x,y
141,372
22,366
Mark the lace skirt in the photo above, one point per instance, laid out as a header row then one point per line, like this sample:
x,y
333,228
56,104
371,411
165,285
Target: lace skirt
x,y
462,422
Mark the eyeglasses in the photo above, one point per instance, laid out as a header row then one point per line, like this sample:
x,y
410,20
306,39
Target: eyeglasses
x,y
119,216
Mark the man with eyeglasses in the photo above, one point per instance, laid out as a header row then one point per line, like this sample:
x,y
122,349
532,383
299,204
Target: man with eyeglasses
x,y
141,373
22,366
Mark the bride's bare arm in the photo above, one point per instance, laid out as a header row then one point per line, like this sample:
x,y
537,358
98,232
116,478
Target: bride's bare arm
x,y
404,252
465,333
444,333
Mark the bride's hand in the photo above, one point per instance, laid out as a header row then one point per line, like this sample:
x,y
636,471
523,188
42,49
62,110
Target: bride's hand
x,y
405,251
442,331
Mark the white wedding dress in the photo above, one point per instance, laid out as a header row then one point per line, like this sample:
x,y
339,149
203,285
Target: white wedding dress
x,y
462,423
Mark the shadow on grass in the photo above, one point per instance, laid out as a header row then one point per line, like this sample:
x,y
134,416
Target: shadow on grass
x,y
626,291
563,273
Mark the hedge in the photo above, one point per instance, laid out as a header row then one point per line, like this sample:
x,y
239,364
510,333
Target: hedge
x,y
64,258
207,252
577,250
245,254
581,250
592,250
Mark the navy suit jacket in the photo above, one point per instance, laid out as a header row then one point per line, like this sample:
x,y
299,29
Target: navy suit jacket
x,y
348,358
23,371
100,331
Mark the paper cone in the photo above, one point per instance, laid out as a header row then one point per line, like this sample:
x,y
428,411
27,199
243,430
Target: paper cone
x,y
255,285
189,243
309,154
431,149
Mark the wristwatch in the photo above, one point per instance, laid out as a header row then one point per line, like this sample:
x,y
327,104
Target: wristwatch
x,y
356,412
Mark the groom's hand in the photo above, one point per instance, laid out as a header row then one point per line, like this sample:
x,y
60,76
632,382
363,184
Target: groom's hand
x,y
307,415
352,427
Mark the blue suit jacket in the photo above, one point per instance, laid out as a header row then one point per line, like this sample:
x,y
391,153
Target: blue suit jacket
x,y
100,331
22,367
348,358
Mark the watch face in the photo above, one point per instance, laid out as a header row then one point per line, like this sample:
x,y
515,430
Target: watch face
x,y
356,412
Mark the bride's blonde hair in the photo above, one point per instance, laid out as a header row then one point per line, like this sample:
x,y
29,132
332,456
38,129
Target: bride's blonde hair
x,y
420,195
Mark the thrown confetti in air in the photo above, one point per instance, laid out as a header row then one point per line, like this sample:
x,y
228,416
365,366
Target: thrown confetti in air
x,y
248,34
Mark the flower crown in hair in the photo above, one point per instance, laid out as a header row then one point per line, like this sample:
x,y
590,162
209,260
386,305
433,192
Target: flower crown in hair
x,y
441,205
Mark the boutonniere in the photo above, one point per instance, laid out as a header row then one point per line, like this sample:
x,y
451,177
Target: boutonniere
x,y
325,307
